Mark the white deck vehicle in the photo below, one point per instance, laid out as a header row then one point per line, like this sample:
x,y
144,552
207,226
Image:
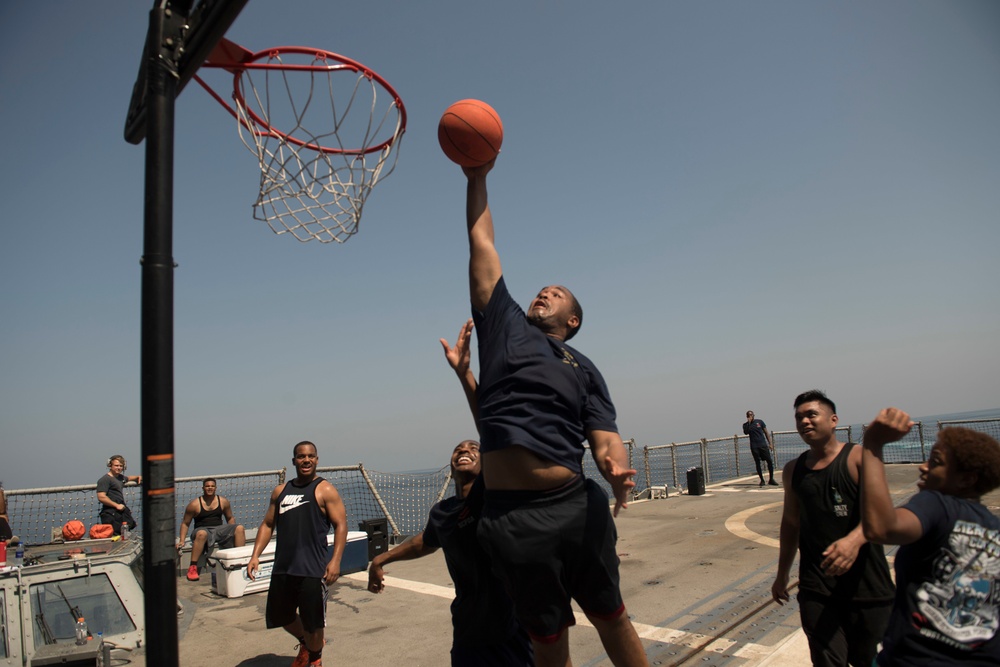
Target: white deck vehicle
x,y
99,580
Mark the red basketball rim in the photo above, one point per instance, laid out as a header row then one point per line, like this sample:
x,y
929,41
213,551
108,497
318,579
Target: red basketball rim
x,y
248,60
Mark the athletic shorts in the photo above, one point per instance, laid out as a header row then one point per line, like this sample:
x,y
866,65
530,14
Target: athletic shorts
x,y
223,536
761,454
551,547
515,652
842,632
288,594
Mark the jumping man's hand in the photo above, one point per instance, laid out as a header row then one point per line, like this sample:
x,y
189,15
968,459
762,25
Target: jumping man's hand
x,y
621,482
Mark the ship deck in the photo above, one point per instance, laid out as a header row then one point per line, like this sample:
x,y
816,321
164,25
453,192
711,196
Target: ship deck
x,y
696,577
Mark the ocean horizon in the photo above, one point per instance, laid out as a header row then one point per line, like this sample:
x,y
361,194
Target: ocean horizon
x,y
970,415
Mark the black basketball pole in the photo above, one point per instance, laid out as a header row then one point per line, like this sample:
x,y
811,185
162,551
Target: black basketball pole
x,y
178,41
157,372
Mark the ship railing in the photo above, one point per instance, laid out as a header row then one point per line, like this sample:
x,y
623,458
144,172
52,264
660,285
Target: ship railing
x,y
404,499
664,467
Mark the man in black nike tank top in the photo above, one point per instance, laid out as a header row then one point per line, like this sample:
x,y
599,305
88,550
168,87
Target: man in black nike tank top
x,y
845,592
303,512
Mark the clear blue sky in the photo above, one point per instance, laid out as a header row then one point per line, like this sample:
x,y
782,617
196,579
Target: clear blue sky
x,y
750,199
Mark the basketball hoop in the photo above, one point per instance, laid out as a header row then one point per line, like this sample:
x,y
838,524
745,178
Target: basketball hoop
x,y
325,130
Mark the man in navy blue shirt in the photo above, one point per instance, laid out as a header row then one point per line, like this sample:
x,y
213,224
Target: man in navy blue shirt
x,y
537,400
485,632
760,446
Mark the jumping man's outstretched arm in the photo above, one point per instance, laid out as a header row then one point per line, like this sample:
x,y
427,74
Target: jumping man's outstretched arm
x,y
611,458
484,261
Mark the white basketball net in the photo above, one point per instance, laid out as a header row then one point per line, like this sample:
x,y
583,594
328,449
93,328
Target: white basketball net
x,y
311,193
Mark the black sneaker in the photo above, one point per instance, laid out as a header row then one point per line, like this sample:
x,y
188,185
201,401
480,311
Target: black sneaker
x,y
762,482
773,483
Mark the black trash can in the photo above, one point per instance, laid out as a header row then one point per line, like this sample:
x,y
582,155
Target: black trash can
x,y
696,482
378,536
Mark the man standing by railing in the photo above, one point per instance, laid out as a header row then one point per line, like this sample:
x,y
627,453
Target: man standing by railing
x,y
760,446
111,495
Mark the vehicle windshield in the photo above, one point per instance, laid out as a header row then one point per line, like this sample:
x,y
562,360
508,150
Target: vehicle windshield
x,y
56,605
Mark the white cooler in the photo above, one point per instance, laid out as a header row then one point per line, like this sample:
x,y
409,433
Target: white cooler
x,y
229,566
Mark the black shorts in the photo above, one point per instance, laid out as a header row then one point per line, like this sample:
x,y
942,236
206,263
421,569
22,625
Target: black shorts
x,y
551,547
515,652
761,454
288,593
842,632
116,518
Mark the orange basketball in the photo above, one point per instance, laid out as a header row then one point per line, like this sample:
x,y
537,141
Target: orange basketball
x,y
470,133
73,530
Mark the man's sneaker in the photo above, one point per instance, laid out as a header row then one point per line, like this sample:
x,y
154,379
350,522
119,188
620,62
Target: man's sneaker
x,y
773,483
762,482
193,573
302,659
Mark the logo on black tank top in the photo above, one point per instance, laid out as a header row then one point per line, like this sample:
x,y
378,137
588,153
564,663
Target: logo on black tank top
x,y
291,502
839,508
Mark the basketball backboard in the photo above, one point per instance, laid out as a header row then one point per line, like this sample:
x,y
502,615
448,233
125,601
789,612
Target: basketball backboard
x,y
188,31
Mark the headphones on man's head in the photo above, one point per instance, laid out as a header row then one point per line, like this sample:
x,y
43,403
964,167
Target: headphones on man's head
x,y
117,456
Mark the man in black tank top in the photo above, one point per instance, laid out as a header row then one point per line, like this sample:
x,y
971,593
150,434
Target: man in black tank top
x,y
214,525
845,592
303,512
